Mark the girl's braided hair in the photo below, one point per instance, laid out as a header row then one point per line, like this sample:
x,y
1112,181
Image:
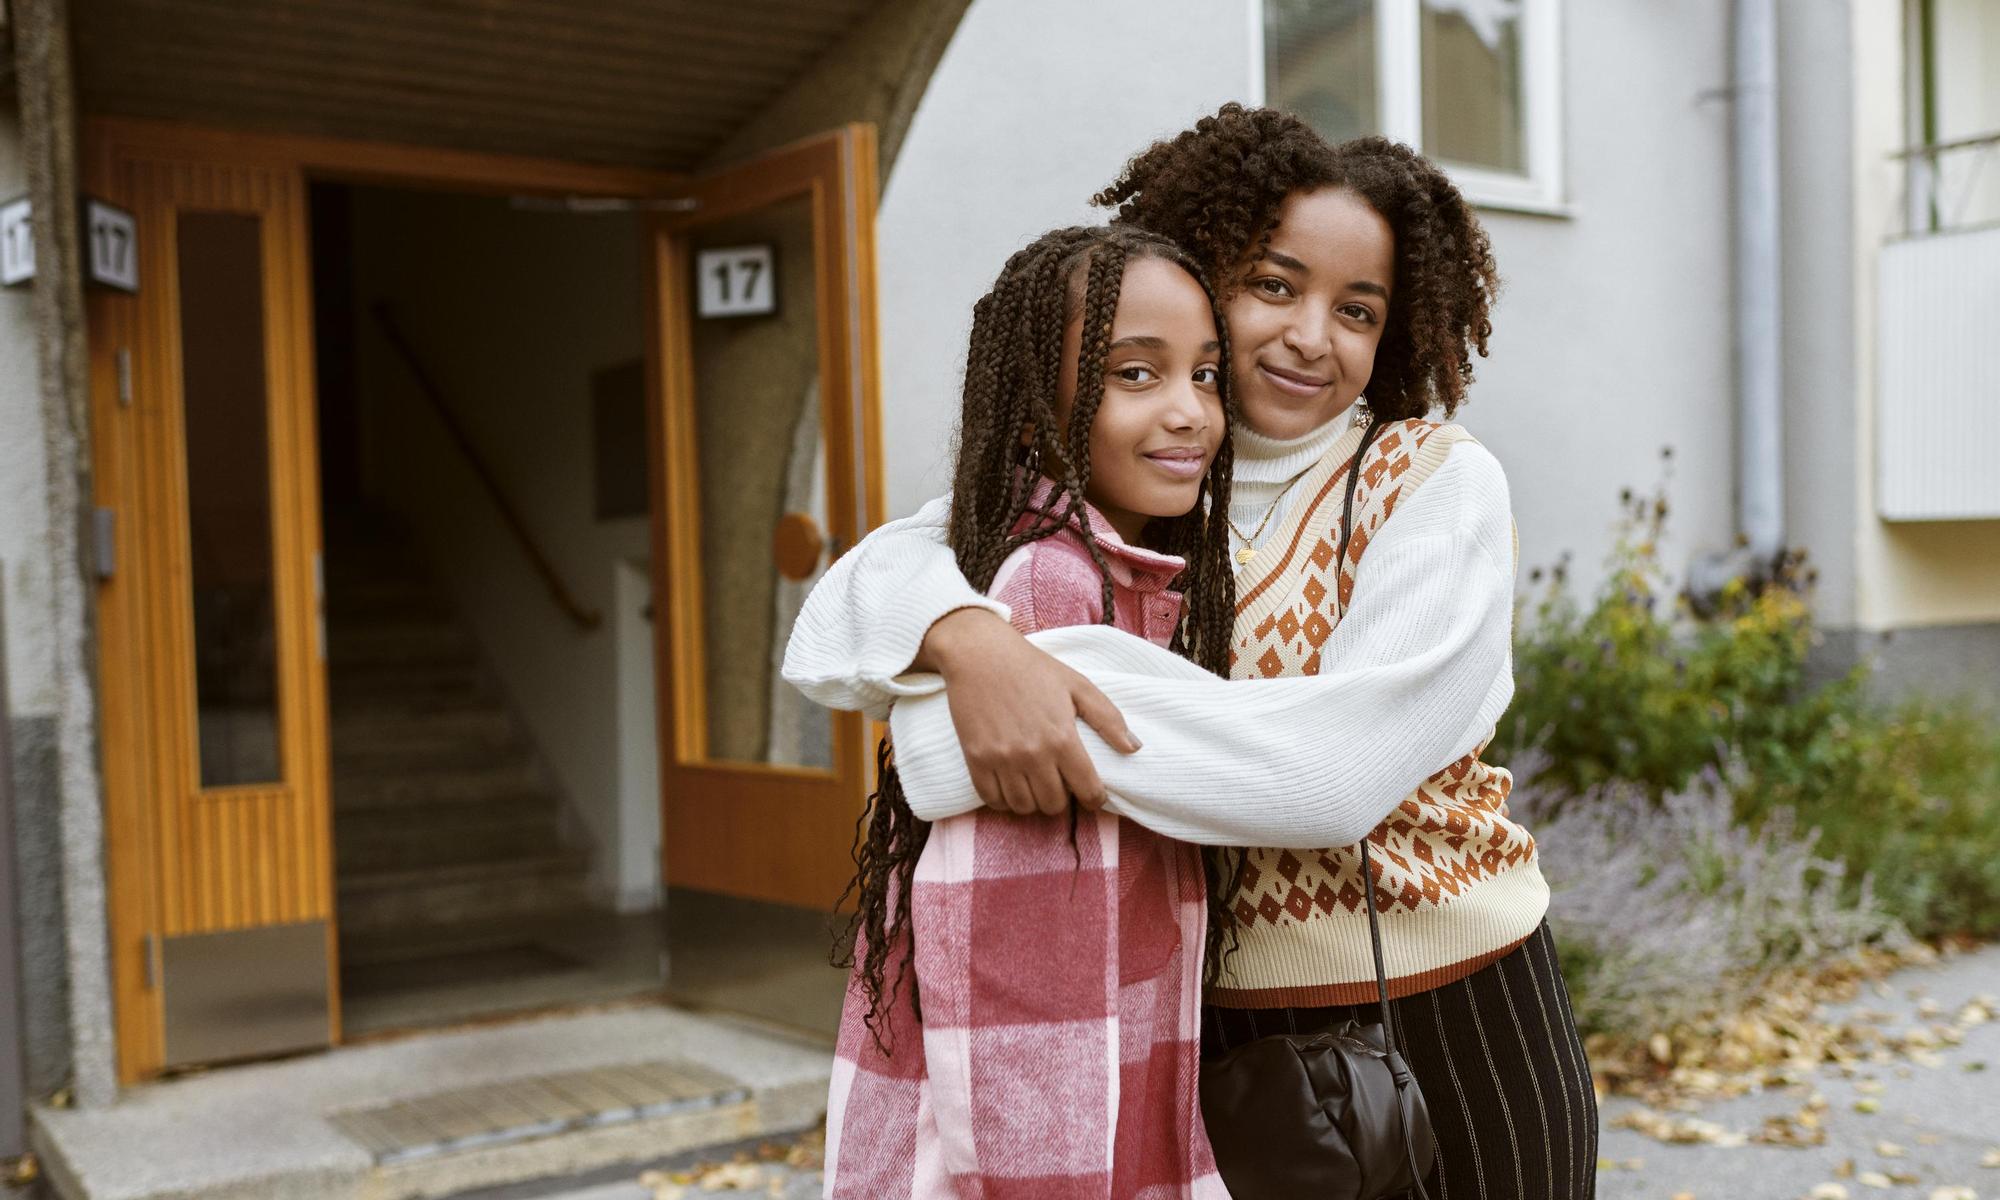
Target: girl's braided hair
x,y
1217,188
1009,429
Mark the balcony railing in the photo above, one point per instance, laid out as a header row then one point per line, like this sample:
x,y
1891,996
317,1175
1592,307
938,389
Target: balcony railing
x,y
1951,185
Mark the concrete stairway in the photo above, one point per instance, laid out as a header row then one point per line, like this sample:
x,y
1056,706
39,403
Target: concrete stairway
x,y
442,813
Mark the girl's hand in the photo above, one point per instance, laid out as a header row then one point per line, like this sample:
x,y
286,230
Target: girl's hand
x,y
1016,709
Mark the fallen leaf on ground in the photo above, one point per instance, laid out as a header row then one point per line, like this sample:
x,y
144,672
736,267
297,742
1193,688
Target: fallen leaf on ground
x,y
1678,1130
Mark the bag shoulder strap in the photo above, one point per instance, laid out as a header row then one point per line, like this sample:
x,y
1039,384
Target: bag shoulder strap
x,y
1367,864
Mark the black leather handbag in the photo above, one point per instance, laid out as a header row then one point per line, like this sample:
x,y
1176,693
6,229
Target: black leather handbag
x,y
1334,1113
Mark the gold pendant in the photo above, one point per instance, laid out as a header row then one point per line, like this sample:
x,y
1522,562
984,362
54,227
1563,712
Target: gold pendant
x,y
1246,554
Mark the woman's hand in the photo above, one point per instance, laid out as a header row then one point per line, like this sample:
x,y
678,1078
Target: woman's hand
x,y
1015,709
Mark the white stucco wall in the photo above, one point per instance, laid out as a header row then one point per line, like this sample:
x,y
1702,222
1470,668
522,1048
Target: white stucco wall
x,y
512,312
31,686
1035,105
1611,338
1612,334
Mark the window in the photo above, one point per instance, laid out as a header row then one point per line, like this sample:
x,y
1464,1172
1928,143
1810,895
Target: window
x,y
1471,83
1952,54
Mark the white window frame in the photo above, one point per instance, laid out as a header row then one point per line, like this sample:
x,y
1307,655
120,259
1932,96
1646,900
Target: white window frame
x,y
1400,97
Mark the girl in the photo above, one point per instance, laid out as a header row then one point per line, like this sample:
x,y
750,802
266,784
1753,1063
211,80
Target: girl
x,y
1342,270
1023,1007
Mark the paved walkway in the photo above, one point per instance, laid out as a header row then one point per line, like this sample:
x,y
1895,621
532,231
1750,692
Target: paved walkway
x,y
1894,1129
1943,1117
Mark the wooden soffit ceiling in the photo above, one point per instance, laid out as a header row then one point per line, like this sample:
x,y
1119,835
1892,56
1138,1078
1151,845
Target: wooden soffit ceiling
x,y
655,83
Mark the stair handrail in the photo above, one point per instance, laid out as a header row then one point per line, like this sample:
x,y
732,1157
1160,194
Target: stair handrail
x,y
586,618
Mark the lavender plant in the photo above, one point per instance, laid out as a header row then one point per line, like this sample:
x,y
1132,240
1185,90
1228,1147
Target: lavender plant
x,y
1665,909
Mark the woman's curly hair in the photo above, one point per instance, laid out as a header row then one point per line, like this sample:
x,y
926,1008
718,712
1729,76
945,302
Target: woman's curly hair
x,y
1216,189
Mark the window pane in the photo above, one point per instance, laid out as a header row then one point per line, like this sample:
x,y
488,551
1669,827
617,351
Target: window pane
x,y
229,496
1319,62
763,485
1472,83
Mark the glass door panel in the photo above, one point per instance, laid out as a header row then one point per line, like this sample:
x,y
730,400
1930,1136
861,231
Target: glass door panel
x,y
763,479
224,399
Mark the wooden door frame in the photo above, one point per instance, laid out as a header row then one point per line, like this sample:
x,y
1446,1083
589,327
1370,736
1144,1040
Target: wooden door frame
x,y
855,505
126,719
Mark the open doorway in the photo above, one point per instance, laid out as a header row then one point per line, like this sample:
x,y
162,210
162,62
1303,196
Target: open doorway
x,y
490,636
482,425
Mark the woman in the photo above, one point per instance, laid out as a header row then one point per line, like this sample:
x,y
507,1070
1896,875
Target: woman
x,y
1345,270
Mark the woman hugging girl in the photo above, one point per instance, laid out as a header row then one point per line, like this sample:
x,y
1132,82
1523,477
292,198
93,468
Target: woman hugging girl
x,y
1367,667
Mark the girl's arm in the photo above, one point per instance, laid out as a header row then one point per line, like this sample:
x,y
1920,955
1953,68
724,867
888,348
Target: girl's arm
x,y
1420,671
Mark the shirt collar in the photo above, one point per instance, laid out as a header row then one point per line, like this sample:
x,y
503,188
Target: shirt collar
x,y
1132,566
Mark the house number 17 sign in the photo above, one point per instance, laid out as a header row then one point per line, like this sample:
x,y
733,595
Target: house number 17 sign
x,y
737,281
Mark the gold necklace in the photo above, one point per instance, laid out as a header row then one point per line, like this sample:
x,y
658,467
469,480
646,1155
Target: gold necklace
x,y
1249,550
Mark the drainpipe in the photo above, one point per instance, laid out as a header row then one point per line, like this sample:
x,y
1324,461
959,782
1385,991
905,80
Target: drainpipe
x,y
1760,474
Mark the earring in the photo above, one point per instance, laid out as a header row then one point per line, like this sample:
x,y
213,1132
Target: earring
x,y
1361,414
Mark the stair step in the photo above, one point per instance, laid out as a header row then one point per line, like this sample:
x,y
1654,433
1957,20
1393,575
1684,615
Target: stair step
x,y
489,782
421,816
381,900
459,937
399,645
381,730
356,685
422,754
400,844
352,607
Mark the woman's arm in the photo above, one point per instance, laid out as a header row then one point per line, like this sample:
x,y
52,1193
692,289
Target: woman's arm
x,y
864,622
896,603
1420,670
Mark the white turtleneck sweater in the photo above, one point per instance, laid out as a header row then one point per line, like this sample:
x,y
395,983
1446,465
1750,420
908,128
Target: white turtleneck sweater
x,y
1260,491
1419,670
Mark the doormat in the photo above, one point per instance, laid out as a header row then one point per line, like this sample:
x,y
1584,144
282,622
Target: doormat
x,y
484,964
517,1109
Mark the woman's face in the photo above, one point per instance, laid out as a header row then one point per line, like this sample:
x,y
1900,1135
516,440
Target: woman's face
x,y
1305,317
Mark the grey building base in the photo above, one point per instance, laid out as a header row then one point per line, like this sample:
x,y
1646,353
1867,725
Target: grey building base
x,y
38,870
1939,660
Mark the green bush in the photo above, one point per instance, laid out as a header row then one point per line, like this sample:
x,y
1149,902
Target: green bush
x,y
1639,687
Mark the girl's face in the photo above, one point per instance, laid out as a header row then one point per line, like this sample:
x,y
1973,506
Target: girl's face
x,y
1305,317
1160,422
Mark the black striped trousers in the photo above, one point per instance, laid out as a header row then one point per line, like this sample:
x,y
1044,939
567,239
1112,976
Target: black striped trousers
x,y
1502,1070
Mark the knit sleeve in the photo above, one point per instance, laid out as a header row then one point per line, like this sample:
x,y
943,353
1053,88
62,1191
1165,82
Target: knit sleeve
x,y
1418,673
863,622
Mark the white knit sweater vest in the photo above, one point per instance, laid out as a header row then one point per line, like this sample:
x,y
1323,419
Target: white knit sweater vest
x,y
1456,882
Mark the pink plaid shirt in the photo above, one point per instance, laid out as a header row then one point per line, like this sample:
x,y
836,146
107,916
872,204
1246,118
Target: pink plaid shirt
x,y
1059,1046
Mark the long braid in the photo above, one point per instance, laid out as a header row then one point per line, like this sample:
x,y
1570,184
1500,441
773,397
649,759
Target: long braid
x,y
1201,538
1010,417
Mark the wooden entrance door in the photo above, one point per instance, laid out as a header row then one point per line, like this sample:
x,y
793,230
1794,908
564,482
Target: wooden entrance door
x,y
765,444
212,649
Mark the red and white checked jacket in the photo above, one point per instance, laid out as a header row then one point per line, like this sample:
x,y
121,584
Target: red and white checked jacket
x,y
1058,1050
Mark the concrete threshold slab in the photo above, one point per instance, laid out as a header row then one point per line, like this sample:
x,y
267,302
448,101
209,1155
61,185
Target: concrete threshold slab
x,y
433,1114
